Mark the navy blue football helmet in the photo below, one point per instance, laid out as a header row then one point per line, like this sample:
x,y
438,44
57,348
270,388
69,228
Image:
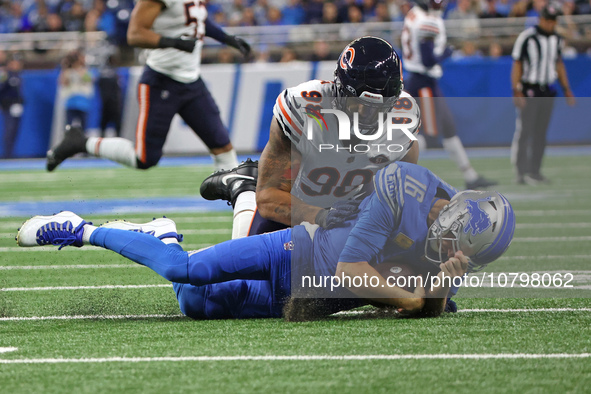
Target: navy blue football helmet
x,y
368,72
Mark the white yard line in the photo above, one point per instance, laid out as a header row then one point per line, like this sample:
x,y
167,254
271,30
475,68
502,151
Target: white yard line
x,y
548,257
345,313
84,287
552,239
185,246
542,226
355,357
8,349
66,267
88,317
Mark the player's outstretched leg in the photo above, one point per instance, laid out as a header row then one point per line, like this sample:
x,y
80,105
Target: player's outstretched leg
x,y
67,228
228,184
74,141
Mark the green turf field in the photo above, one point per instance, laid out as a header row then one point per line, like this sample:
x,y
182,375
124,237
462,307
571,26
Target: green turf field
x,y
87,320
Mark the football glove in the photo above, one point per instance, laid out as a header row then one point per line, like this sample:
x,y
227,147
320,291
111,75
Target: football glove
x,y
238,43
186,45
338,214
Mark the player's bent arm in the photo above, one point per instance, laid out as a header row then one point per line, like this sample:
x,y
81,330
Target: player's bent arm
x,y
381,292
277,164
412,156
139,32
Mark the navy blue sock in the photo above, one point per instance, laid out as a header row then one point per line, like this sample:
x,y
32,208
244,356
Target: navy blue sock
x,y
169,262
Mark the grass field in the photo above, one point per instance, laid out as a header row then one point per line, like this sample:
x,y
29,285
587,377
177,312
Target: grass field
x,y
87,320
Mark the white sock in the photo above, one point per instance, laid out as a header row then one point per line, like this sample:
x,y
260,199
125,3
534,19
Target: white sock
x,y
225,161
116,149
170,240
88,230
456,150
243,213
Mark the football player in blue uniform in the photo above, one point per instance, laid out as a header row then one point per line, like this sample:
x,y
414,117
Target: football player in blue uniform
x,y
172,31
412,216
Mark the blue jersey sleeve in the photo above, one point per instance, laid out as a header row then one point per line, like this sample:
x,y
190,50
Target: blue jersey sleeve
x,y
372,230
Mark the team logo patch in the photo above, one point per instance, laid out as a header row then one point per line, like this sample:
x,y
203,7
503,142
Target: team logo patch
x,y
403,241
165,94
479,219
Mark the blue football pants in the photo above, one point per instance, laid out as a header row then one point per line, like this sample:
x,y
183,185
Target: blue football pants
x,y
241,278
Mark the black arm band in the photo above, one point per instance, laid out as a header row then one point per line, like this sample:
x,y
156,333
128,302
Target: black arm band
x,y
167,42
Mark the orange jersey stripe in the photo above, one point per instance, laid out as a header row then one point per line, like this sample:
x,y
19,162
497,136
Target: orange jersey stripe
x,y
286,115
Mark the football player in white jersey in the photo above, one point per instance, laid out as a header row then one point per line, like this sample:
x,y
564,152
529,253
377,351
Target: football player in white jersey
x,y
424,47
307,167
173,32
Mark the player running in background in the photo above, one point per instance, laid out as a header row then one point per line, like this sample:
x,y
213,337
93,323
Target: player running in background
x,y
409,217
424,47
305,169
173,30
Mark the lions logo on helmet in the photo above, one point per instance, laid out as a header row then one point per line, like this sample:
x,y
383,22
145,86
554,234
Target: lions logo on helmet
x,y
480,224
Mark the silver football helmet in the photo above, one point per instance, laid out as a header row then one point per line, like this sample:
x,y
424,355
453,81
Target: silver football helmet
x,y
479,223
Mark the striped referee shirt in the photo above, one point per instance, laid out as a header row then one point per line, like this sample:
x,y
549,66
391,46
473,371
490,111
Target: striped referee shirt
x,y
539,52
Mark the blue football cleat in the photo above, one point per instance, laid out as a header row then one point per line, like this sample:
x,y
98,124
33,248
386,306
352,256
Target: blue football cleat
x,y
64,229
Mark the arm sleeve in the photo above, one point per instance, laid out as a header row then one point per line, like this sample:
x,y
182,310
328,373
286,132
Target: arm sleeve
x,y
214,31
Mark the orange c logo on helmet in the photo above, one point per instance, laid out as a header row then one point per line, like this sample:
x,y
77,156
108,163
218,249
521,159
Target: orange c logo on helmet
x,y
348,50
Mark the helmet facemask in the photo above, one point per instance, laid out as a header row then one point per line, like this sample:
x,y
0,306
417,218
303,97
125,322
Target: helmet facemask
x,y
480,224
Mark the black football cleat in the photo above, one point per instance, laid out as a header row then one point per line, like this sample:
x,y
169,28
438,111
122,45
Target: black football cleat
x,y
74,141
228,184
480,183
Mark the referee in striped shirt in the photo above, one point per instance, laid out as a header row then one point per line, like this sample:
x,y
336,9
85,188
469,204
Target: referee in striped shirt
x,y
537,63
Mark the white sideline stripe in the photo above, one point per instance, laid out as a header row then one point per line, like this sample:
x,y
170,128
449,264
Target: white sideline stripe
x,y
84,287
478,310
8,349
550,257
527,310
87,248
87,317
552,225
94,317
551,239
354,357
552,212
63,267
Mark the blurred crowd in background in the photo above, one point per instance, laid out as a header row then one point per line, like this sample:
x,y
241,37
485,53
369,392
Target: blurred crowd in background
x,y
112,17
